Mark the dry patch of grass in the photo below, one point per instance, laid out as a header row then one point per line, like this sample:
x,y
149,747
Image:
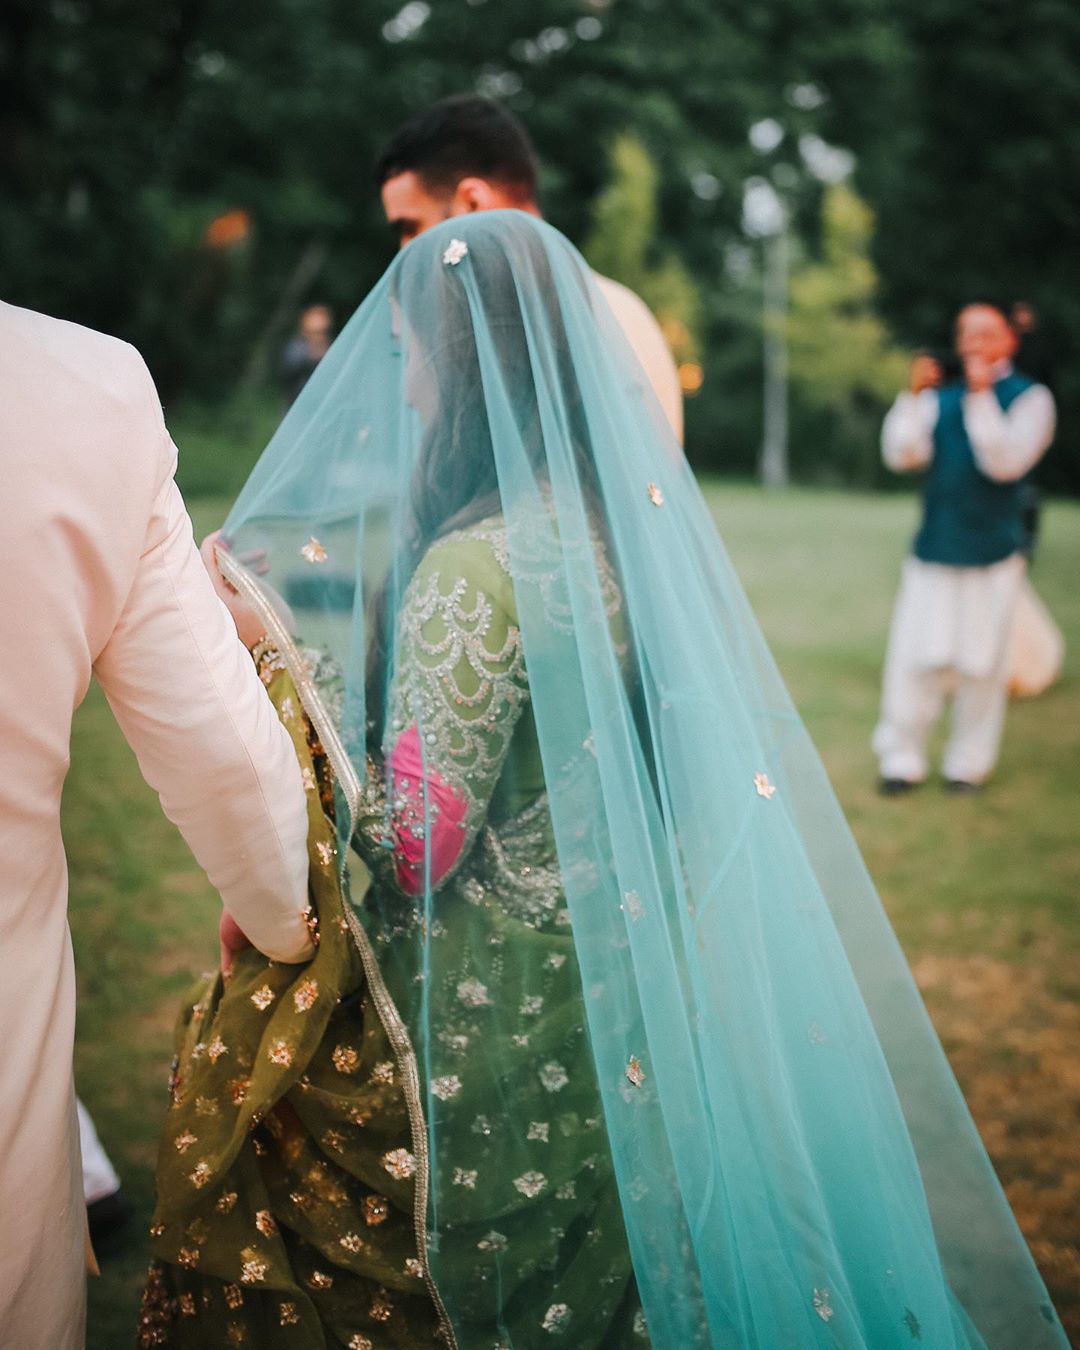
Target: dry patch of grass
x,y
1013,1044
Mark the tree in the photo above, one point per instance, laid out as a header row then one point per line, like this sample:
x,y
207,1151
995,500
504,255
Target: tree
x,y
842,357
623,244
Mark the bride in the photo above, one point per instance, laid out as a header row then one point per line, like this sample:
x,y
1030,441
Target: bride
x,y
606,1041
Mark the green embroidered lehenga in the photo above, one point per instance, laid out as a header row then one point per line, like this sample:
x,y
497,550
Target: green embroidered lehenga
x,y
293,1152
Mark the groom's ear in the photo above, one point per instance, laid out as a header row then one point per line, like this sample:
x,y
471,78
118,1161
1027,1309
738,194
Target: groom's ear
x,y
476,194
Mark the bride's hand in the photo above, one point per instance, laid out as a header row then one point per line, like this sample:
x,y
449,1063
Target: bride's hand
x,y
233,939
249,626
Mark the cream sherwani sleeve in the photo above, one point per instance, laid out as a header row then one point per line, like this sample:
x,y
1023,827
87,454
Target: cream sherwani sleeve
x,y
647,342
187,698
98,572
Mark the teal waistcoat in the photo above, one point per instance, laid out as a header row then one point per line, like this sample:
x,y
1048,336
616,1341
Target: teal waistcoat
x,y
969,520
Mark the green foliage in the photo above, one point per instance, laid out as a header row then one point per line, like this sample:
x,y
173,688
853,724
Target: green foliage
x,y
127,128
623,244
842,358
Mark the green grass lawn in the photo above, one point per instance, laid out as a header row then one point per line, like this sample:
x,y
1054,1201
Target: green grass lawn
x,y
983,891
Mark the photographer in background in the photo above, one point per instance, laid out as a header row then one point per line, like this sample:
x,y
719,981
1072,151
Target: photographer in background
x,y
977,436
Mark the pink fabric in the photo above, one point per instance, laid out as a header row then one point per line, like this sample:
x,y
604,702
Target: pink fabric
x,y
429,796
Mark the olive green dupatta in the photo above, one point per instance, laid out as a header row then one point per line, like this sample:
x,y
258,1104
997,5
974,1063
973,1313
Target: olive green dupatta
x,y
286,1173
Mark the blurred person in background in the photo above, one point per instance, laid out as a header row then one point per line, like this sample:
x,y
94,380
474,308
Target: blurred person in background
x,y
468,153
304,350
977,437
1036,643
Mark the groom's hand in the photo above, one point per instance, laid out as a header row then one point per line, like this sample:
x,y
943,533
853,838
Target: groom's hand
x,y
249,626
233,939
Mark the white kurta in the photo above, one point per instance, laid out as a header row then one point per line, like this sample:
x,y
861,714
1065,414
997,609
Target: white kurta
x,y
952,624
643,333
99,574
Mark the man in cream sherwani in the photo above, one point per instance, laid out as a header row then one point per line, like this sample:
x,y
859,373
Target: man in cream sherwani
x,y
99,575
976,438
468,153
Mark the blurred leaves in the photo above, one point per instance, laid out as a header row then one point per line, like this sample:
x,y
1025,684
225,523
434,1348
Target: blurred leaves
x,y
125,128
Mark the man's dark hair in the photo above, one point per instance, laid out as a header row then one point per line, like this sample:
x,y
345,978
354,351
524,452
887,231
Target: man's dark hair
x,y
464,136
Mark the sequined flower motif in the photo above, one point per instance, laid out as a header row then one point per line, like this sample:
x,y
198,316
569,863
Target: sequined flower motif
x,y
216,1049
201,1175
556,961
287,1315
493,1242
632,905
567,1191
226,1203
556,1319
307,777
234,1296
640,1326
655,495
252,1267
313,551
454,252
530,1184
184,1141
187,1305
531,1004
238,1090
318,1279
381,1308
376,1209
262,998
912,1324
359,1342
465,1176
763,787
446,1087
325,852
822,1306
539,1129
188,1257
383,1072
265,1222
400,1163
414,1268
473,994
634,1072
345,1059
553,1076
352,1242
280,1053
305,994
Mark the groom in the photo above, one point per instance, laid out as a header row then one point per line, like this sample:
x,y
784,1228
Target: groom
x,y
467,154
101,577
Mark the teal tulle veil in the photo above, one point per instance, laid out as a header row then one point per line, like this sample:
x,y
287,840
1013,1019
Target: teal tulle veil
x,y
795,1164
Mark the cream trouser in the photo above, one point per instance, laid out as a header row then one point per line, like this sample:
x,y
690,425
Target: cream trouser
x,y
912,702
949,635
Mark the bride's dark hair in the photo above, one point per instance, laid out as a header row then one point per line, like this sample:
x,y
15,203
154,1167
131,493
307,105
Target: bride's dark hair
x,y
455,482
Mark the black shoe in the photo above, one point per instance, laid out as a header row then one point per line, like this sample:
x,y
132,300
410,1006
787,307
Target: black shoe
x,y
959,787
896,787
108,1216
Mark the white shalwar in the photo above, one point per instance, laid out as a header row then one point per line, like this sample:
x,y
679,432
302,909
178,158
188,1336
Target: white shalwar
x,y
951,628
